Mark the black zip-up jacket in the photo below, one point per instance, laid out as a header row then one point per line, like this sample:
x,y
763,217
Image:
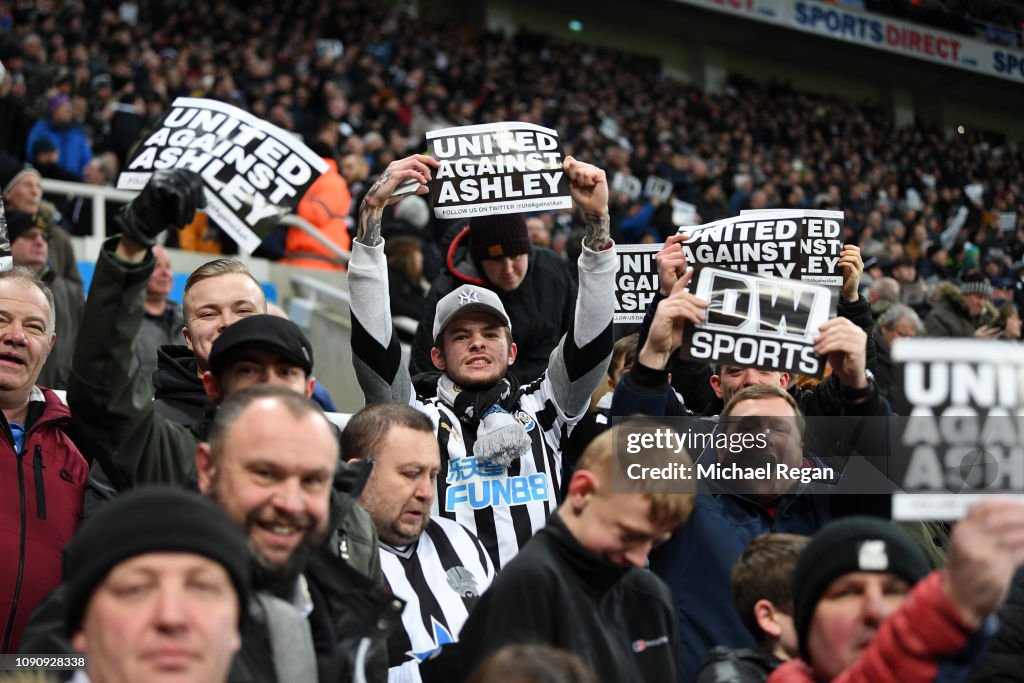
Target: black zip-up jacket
x,y
619,620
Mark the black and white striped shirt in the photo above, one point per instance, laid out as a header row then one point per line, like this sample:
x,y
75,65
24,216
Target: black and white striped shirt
x,y
504,507
440,577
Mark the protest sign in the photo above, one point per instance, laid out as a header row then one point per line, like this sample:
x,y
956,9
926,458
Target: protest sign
x,y
656,187
798,244
6,260
627,184
758,321
497,168
635,282
789,243
683,213
254,172
964,437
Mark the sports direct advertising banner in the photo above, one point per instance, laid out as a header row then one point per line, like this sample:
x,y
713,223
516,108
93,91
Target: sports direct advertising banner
x,y
878,32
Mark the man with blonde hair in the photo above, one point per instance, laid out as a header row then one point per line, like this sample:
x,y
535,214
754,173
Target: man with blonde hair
x,y
590,556
137,440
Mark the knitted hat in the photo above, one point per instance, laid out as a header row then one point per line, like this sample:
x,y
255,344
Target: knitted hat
x,y
43,144
11,171
20,222
270,332
850,544
151,519
414,211
498,236
975,283
56,101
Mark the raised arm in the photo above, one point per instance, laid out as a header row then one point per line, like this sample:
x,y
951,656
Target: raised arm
x,y
111,402
376,354
578,363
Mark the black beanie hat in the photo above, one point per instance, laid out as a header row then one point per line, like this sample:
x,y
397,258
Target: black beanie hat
x,y
20,222
850,544
151,519
498,236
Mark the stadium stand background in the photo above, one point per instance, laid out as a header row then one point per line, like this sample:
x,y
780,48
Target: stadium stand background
x,y
741,94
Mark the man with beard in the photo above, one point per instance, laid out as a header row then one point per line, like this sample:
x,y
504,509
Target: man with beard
x,y
435,564
135,440
269,463
501,455
696,561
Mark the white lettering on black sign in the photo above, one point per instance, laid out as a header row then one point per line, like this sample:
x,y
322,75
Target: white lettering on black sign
x,y
497,168
635,283
965,433
760,322
254,172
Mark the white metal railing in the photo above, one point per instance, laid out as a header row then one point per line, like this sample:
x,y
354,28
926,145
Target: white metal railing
x,y
101,194
316,292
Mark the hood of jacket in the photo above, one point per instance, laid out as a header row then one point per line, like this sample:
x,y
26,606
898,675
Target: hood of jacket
x,y
175,377
459,262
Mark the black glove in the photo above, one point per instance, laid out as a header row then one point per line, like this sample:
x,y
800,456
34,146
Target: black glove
x,y
169,200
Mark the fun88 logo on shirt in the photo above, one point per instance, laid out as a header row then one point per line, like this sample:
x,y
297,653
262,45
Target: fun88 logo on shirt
x,y
482,485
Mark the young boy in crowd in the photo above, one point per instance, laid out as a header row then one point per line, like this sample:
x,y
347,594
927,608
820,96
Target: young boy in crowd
x,y
762,590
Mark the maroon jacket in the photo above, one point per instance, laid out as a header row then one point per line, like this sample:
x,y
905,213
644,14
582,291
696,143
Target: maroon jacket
x,y
40,508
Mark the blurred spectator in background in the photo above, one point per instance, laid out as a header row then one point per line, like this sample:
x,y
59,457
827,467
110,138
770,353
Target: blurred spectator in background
x,y
15,121
20,184
406,283
898,322
30,248
935,267
326,205
913,291
162,320
45,156
964,311
355,169
1009,322
100,171
539,231
883,293
70,140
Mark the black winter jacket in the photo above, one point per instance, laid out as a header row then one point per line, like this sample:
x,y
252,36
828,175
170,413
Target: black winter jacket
x,y
736,665
619,620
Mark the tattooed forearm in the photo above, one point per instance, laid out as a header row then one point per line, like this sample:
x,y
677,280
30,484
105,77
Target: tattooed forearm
x,y
368,230
598,230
